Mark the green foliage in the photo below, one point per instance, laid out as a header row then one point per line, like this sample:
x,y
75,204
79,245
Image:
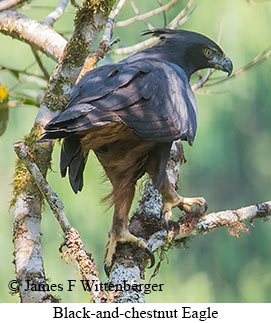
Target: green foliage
x,y
229,164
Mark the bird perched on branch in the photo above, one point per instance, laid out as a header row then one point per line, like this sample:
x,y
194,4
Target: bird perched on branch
x,y
129,113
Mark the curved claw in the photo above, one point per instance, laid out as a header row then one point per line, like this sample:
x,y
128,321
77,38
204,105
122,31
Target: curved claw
x,y
166,218
63,244
151,255
106,270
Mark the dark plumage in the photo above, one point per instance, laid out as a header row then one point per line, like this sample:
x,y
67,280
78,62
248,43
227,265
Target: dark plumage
x,y
129,113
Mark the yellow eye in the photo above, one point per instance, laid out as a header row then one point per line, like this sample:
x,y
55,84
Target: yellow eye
x,y
207,52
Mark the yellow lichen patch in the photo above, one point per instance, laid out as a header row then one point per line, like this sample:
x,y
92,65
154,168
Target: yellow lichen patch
x,y
23,181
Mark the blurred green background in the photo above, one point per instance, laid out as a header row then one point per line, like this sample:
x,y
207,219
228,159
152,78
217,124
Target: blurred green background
x,y
229,163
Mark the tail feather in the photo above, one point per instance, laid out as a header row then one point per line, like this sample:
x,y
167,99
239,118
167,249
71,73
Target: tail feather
x,y
73,158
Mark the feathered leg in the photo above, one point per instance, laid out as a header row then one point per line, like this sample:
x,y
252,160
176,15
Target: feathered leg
x,y
156,168
119,231
123,171
171,199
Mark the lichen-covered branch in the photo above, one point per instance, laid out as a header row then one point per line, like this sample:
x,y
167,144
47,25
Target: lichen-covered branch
x,y
27,200
73,242
35,33
191,226
51,197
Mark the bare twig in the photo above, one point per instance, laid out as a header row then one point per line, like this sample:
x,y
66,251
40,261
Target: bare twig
x,y
57,13
152,40
110,21
139,46
41,66
32,32
202,81
146,15
231,219
190,226
134,7
177,20
118,8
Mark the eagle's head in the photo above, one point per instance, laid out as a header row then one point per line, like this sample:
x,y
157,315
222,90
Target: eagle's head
x,y
191,51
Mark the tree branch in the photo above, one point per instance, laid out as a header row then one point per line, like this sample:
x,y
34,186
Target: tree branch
x,y
40,64
75,247
35,33
57,13
51,197
146,15
178,19
152,40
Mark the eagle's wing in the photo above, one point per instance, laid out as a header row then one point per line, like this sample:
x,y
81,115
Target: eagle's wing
x,y
152,97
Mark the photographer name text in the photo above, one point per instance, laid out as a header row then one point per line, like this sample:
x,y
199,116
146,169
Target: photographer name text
x,y
92,285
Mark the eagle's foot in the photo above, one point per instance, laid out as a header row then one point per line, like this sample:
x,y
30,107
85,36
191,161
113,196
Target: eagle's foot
x,y
194,205
124,237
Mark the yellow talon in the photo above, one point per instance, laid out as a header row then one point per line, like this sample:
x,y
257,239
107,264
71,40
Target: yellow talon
x,y
124,237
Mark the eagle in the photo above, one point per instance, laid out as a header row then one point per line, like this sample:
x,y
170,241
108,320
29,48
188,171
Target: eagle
x,y
129,113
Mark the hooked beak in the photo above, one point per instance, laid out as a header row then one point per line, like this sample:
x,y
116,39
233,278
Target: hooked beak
x,y
222,63
226,66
